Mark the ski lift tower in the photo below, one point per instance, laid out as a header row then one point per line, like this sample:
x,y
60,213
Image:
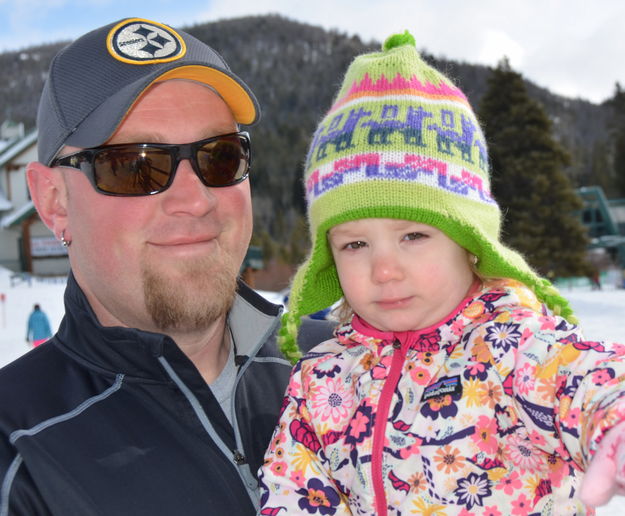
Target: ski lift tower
x,y
605,220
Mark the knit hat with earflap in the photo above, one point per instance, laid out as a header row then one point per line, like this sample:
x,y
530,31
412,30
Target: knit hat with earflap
x,y
400,141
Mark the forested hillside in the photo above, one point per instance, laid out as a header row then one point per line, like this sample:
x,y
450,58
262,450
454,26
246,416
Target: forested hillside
x,y
295,69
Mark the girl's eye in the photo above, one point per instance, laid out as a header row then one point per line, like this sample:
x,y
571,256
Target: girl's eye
x,y
355,245
415,236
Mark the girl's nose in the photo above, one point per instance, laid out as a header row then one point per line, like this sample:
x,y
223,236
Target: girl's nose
x,y
386,267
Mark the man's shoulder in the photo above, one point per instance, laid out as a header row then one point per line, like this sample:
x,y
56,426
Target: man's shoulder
x,y
27,387
35,370
313,332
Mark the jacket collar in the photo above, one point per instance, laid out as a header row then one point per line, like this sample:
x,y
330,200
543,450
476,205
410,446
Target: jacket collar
x,y
251,320
135,352
481,300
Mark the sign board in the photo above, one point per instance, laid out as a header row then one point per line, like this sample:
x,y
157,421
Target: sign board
x,y
46,246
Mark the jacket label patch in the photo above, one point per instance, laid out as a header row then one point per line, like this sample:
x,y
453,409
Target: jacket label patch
x,y
445,386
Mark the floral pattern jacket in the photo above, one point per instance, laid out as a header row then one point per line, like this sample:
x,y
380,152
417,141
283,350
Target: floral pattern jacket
x,y
496,410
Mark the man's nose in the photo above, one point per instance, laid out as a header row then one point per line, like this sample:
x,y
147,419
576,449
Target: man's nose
x,y
187,193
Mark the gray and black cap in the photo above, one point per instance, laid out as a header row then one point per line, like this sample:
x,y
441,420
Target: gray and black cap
x,y
95,81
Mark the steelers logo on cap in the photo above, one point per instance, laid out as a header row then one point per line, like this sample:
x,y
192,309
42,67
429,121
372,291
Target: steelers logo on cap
x,y
138,41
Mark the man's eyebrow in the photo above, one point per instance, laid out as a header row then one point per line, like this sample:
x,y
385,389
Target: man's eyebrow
x,y
143,137
135,138
158,138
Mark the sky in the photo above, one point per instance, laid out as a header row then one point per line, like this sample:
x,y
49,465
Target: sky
x,y
575,48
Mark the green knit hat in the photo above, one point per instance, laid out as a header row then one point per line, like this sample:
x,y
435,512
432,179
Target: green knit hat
x,y
400,141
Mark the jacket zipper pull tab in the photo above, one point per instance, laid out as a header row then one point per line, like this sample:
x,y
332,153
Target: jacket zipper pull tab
x,y
239,458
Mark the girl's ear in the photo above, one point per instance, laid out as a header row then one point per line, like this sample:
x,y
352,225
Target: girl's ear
x,y
49,194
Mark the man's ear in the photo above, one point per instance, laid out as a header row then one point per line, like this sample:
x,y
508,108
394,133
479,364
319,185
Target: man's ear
x,y
49,194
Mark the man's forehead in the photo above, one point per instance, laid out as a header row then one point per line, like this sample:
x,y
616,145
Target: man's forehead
x,y
144,133
174,85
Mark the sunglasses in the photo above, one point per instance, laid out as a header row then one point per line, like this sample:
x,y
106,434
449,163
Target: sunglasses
x,y
134,169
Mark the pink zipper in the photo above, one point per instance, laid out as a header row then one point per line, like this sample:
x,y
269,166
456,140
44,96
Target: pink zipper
x,y
386,397
381,420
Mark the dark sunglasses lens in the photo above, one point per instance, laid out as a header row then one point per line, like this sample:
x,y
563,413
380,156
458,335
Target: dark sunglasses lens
x,y
223,162
132,170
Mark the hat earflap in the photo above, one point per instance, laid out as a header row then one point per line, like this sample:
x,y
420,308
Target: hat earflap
x,y
287,337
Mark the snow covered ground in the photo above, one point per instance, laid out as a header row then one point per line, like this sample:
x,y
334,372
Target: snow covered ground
x,y
602,315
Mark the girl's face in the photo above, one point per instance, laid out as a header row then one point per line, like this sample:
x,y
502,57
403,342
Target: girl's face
x,y
399,275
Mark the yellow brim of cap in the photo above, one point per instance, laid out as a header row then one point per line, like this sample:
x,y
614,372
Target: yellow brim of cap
x,y
238,100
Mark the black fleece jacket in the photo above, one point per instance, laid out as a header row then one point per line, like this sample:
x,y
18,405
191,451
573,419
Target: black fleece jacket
x,y
118,421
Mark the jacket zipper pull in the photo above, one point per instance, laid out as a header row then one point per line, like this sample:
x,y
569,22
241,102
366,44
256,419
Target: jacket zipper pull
x,y
239,458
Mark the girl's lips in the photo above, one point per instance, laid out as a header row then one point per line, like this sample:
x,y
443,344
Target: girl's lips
x,y
394,302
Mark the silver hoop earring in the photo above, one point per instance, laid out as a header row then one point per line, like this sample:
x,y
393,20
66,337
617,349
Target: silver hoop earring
x,y
64,243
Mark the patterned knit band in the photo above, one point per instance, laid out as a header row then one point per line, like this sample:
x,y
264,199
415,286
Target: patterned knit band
x,y
400,141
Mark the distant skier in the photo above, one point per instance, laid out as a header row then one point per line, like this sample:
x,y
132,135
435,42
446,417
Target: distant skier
x,y
595,280
38,330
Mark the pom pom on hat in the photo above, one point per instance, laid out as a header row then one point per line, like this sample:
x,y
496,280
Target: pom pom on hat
x,y
400,141
397,40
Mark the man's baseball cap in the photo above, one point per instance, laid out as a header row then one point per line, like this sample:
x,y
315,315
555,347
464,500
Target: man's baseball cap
x,y
94,81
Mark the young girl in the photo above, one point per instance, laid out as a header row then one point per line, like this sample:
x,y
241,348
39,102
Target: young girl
x,y
458,382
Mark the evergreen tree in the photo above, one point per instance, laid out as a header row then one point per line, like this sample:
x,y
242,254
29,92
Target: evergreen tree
x,y
617,125
619,165
529,182
601,168
299,241
262,239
